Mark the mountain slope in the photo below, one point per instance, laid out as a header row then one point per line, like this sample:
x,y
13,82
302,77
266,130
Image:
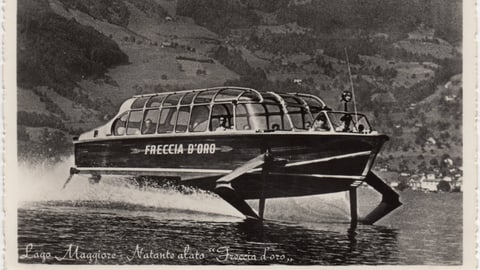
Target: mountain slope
x,y
78,60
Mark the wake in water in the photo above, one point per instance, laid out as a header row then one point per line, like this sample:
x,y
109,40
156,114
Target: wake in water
x,y
42,185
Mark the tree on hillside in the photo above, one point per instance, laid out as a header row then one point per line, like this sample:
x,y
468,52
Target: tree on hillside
x,y
58,53
220,16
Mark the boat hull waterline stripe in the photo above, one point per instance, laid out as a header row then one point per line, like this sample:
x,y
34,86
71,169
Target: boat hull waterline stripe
x,y
153,170
217,171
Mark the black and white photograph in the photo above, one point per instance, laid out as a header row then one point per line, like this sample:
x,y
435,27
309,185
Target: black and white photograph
x,y
240,132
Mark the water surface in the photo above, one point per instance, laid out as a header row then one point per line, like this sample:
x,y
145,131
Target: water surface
x,y
114,223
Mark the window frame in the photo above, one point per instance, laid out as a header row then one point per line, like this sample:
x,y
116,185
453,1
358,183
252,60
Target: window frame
x,y
112,128
189,112
193,107
260,110
230,114
141,121
145,112
172,114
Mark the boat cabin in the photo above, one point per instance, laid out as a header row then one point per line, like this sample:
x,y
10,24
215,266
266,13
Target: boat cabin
x,y
228,109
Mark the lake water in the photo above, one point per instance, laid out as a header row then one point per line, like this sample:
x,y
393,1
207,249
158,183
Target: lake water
x,y
114,223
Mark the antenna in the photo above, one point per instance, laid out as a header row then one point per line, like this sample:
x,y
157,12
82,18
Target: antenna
x,y
351,86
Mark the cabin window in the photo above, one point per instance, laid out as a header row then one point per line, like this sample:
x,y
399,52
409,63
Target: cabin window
x,y
315,105
249,96
321,123
119,125
205,97
139,102
296,116
222,117
338,124
300,117
134,122
199,118
362,124
307,117
257,116
349,122
276,118
261,116
242,121
268,97
292,100
183,117
228,94
286,123
172,100
187,98
168,116
150,121
155,101
315,111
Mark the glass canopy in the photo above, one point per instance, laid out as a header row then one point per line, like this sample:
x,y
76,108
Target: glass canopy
x,y
223,109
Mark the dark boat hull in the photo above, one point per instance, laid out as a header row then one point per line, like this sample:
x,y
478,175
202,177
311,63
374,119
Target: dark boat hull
x,y
315,163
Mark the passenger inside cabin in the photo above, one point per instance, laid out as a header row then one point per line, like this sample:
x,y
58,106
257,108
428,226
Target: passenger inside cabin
x,y
320,124
119,125
308,125
346,120
148,127
275,127
361,128
120,131
223,125
246,127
